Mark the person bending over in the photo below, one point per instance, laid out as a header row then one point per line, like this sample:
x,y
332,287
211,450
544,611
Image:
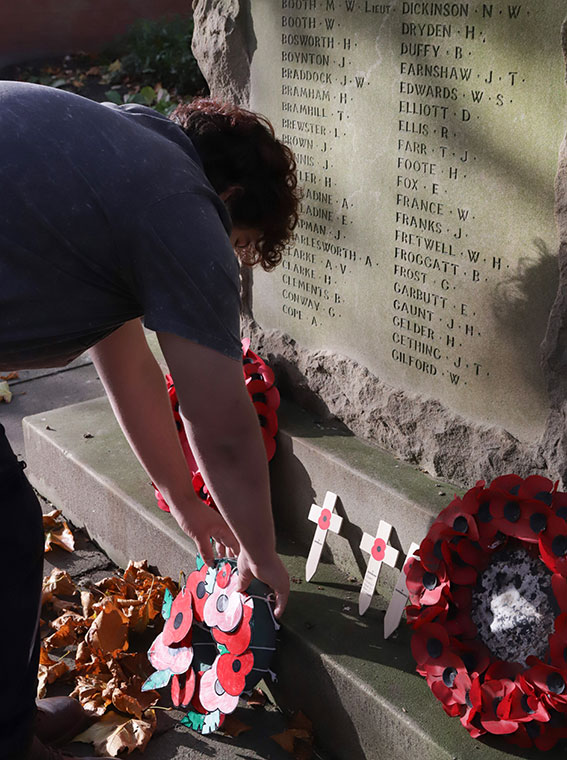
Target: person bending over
x,y
110,215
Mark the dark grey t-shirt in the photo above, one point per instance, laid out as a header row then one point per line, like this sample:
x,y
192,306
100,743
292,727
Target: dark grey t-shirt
x,y
105,215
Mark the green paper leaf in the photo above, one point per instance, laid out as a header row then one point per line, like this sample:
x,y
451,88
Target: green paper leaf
x,y
166,606
222,649
157,680
212,722
199,562
194,720
210,578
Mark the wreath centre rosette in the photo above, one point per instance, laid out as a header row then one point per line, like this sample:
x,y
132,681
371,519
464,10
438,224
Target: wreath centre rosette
x,y
216,644
488,609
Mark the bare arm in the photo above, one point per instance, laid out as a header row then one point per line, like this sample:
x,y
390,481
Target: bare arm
x,y
224,435
135,386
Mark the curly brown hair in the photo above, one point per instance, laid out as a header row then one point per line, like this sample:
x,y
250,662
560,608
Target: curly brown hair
x,y
240,152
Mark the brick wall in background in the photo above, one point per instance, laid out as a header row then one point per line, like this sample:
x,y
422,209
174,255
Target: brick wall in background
x,y
35,28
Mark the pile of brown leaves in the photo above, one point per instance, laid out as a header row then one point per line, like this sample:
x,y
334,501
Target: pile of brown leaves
x,y
88,643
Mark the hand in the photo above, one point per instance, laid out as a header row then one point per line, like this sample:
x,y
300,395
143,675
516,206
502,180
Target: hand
x,y
201,523
272,572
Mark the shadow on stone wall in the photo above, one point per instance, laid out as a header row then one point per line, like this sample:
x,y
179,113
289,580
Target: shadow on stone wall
x,y
522,304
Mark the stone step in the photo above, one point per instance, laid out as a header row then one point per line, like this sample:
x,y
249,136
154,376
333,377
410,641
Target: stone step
x,y
361,691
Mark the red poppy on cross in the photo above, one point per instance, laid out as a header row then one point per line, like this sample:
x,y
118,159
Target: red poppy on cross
x,y
326,520
377,547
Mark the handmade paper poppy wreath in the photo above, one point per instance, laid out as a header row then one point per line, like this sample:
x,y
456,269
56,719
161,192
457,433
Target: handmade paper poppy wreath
x,y
216,644
259,379
488,596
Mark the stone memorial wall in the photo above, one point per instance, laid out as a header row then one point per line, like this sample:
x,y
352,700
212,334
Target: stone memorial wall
x,y
416,294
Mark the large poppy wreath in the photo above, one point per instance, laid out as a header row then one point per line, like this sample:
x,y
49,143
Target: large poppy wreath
x,y
216,644
488,596
259,379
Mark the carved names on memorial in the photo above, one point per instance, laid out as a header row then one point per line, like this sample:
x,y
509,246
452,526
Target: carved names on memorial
x,y
397,114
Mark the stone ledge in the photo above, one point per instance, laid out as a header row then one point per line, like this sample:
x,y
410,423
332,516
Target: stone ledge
x,y
361,691
314,457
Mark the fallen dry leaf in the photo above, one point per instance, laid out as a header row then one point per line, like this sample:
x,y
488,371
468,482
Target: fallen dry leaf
x,y
297,739
68,628
49,671
108,633
59,582
257,699
106,676
57,532
287,738
89,690
114,733
234,727
87,601
9,376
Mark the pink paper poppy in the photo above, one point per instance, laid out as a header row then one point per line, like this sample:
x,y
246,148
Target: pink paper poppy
x,y
199,595
223,608
183,688
180,620
237,641
232,671
212,695
163,657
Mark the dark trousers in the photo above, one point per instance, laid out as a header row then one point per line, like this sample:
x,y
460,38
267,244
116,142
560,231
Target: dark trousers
x,y
21,556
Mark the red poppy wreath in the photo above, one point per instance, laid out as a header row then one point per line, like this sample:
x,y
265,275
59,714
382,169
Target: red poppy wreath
x,y
216,644
259,379
488,609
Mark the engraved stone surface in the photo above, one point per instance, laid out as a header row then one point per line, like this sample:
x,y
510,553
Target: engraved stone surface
x,y
415,298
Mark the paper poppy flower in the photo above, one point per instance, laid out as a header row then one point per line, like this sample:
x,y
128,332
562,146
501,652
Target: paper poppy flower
x,y
526,702
183,688
237,641
163,657
324,521
259,379
232,670
217,659
180,620
424,586
223,608
196,586
553,545
212,695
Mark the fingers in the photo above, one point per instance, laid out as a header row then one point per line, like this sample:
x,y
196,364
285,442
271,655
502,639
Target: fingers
x,y
282,596
245,578
225,536
220,549
205,549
